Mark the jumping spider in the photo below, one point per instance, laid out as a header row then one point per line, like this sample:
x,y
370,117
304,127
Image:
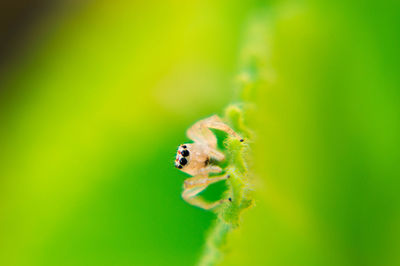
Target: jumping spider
x,y
195,159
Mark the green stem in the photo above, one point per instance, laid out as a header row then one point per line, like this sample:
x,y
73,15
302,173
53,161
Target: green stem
x,y
253,60
238,191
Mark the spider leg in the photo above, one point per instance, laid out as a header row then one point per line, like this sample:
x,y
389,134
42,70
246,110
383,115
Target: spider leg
x,y
209,169
200,131
195,185
215,122
214,153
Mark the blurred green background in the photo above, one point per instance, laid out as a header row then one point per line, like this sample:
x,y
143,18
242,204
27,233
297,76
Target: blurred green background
x,y
96,96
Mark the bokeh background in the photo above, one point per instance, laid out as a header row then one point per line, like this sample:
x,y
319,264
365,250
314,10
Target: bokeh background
x,y
95,96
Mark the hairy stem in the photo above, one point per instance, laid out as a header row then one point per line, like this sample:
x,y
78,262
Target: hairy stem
x,y
252,74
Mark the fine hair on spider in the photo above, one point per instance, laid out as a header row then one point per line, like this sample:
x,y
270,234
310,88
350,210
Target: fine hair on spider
x,y
194,159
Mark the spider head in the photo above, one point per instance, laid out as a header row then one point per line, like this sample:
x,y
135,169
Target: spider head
x,y
182,156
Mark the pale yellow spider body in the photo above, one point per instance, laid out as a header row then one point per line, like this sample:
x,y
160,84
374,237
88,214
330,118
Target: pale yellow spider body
x,y
194,159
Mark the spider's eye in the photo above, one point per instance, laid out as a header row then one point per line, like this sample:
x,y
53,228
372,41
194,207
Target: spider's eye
x,y
184,146
183,161
179,166
185,153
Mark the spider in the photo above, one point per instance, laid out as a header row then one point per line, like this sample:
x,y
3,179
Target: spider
x,y
195,159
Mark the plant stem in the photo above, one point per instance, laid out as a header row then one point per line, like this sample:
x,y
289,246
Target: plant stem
x,y
252,74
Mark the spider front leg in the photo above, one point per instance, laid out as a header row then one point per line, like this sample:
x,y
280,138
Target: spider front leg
x,y
200,131
195,185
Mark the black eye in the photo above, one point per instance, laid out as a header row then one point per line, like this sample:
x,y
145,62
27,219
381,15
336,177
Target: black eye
x,y
184,146
185,153
179,166
183,161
